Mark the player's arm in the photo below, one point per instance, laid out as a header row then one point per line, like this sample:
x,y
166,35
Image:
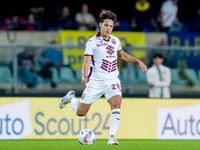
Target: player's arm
x,y
85,69
128,58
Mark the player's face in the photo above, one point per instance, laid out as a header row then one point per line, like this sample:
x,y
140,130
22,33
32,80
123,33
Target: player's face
x,y
158,61
107,27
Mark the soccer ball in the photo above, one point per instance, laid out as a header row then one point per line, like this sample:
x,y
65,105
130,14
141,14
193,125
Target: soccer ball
x,y
86,137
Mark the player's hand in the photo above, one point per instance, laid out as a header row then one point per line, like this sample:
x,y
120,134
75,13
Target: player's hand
x,y
84,81
142,66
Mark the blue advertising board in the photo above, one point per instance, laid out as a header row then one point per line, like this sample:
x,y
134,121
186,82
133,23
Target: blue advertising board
x,y
189,58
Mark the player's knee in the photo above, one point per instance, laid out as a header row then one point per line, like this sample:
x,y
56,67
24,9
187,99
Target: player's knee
x,y
116,104
81,113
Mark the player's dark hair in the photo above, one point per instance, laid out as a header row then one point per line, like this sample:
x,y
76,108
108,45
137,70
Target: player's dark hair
x,y
158,55
107,14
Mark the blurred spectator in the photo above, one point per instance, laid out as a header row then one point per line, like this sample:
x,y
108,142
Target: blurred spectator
x,y
38,12
15,23
50,58
30,24
151,52
168,15
196,21
85,19
159,78
27,69
142,18
64,18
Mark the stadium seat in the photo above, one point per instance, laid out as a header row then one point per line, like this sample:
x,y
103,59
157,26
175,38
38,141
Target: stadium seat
x,y
5,74
192,75
175,79
66,75
199,76
79,74
55,76
121,77
129,75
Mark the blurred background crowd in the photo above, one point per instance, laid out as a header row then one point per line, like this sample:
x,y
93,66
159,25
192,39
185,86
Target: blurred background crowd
x,y
133,15
42,44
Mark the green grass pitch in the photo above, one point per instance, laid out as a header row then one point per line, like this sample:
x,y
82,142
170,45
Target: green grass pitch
x,y
99,145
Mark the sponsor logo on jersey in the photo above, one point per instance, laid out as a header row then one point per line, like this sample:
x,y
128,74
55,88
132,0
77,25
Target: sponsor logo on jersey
x,y
110,49
83,96
103,44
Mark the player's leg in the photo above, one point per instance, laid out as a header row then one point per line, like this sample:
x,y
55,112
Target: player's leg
x,y
91,93
80,109
115,104
66,99
113,95
83,109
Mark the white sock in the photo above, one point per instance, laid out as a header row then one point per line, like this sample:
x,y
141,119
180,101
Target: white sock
x,y
75,103
114,122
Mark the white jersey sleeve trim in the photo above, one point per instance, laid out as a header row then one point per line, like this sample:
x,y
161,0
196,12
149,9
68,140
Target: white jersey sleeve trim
x,y
89,48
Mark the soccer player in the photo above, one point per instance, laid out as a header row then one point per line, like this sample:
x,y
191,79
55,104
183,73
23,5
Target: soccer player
x,y
100,66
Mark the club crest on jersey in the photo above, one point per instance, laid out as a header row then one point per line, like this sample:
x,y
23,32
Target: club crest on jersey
x,y
113,41
83,96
